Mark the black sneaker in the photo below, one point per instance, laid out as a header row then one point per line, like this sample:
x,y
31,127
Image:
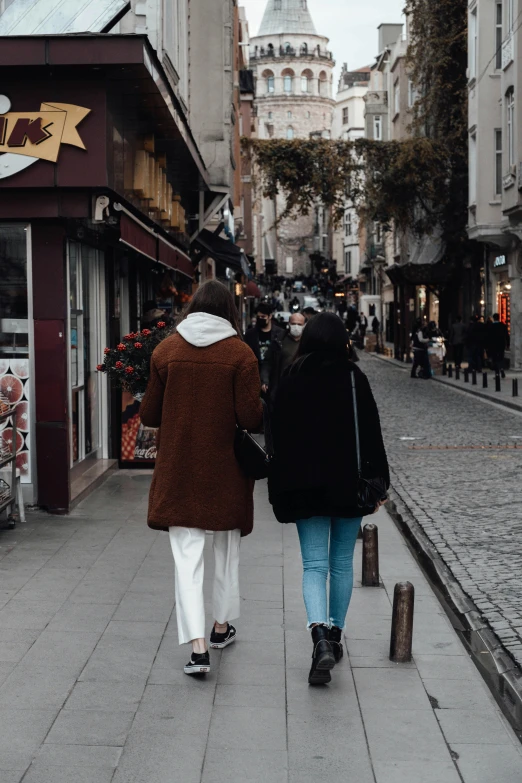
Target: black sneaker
x,y
336,641
218,641
199,664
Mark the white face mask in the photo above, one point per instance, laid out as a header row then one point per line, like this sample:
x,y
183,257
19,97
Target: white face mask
x,y
296,330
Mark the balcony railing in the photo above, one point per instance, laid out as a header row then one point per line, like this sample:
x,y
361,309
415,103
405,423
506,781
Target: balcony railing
x,y
263,53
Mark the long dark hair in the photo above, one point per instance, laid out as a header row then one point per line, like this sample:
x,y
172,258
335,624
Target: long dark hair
x,y
214,298
324,335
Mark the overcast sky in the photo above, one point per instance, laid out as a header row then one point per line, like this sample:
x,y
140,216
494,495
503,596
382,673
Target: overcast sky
x,y
351,25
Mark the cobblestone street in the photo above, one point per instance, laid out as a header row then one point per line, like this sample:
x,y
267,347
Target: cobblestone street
x,y
466,500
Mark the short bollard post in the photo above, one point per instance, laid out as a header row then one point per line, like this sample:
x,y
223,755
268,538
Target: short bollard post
x,y
450,371
402,622
370,559
474,377
497,382
444,367
484,380
457,373
466,375
515,387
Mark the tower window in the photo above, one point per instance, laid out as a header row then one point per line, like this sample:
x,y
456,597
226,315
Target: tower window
x,y
290,133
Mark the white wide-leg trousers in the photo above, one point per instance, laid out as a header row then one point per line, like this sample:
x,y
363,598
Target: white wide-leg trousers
x,y
188,546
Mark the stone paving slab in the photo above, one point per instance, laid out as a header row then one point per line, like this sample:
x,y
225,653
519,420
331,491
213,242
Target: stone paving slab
x,y
92,688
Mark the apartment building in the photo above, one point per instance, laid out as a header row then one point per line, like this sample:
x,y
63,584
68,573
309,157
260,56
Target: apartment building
x,y
495,155
348,125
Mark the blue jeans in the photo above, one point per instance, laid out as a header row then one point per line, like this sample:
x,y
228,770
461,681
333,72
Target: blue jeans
x,y
327,546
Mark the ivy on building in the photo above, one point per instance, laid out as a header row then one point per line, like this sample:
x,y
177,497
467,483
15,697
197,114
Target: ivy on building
x,y
417,184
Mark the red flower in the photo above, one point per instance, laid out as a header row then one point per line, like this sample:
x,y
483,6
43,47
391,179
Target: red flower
x,y
161,324
99,367
129,337
129,370
138,345
106,350
119,365
121,347
146,332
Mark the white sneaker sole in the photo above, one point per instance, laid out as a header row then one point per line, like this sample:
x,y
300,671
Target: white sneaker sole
x,y
197,669
222,645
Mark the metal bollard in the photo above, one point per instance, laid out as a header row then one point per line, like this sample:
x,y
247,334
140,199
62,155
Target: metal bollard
x,y
450,371
515,387
444,367
484,380
498,386
474,377
457,373
402,622
466,375
370,558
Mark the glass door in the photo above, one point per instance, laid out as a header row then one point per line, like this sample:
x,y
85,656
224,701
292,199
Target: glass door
x,y
16,342
87,403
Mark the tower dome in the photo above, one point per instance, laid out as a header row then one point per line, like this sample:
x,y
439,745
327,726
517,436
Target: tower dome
x,y
287,16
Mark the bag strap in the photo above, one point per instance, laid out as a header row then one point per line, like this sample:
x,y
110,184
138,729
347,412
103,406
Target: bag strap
x,y
267,427
356,419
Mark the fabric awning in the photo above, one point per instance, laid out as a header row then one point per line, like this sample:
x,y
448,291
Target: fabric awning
x,y
252,290
220,250
145,241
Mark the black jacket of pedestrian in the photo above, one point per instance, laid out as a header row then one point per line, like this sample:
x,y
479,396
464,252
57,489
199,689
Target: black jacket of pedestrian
x,y
498,337
315,467
277,336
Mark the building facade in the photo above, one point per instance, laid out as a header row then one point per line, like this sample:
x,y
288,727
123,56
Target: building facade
x,y
112,172
294,70
495,152
348,125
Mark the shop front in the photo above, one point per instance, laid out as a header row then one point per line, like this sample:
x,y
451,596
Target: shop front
x,y
98,173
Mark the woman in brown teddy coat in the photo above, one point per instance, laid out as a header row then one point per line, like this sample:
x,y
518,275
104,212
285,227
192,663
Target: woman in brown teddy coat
x,y
204,379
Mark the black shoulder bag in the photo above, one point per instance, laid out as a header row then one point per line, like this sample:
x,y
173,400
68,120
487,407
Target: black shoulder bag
x,y
372,491
253,459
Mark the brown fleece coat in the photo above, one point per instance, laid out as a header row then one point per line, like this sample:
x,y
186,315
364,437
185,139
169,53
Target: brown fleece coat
x,y
195,395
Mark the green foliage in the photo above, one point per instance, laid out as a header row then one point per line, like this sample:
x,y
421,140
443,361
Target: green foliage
x,y
386,181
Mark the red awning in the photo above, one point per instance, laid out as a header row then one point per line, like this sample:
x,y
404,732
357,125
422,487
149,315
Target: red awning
x,y
175,258
153,246
252,290
134,235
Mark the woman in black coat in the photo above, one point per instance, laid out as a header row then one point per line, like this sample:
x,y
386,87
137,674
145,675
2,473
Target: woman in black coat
x,y
315,477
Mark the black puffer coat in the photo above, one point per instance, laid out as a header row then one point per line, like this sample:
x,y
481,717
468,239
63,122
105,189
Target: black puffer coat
x,y
315,467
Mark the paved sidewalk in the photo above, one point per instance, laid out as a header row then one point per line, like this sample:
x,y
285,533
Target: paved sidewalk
x,y
92,688
503,397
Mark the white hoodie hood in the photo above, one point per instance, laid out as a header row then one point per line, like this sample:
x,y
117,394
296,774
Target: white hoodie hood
x,y
203,329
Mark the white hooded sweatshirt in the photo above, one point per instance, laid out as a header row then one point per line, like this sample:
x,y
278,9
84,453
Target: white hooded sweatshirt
x,y
203,329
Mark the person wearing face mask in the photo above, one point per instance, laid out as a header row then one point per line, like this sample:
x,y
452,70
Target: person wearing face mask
x,y
291,342
266,339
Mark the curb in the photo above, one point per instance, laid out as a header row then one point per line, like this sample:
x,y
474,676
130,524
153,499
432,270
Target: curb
x,y
502,674
465,388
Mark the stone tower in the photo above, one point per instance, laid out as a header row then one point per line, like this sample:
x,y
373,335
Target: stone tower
x,y
294,73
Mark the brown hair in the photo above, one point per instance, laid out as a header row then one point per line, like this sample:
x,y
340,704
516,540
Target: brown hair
x,y
214,298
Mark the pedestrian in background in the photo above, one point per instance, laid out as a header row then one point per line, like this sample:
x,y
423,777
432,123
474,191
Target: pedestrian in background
x,y
476,343
420,342
314,480
498,338
266,340
458,340
203,381
291,341
363,326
